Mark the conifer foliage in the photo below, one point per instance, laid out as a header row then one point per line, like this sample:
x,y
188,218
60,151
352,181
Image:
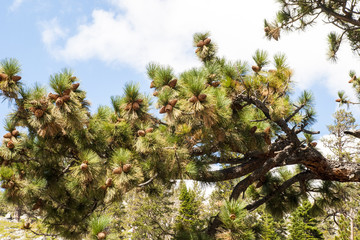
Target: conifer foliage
x,y
303,225
299,15
65,164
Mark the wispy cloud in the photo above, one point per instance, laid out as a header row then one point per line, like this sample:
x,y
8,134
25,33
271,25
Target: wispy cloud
x,y
137,32
51,33
15,5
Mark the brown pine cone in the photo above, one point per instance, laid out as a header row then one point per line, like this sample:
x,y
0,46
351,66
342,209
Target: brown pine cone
x,y
256,68
39,113
16,78
168,108
127,168
202,97
8,135
207,41
149,130
83,166
141,133
200,43
117,170
162,110
75,86
193,99
173,83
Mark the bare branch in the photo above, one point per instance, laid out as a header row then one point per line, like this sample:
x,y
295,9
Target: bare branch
x,y
299,177
148,181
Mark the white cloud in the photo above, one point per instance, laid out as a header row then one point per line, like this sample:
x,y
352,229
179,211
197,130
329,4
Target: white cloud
x,y
51,33
136,32
15,5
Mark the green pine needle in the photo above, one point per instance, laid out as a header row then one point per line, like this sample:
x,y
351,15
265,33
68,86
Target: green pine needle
x,y
10,66
261,58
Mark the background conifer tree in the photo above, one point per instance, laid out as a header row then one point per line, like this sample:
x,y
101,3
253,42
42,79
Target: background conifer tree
x,y
303,225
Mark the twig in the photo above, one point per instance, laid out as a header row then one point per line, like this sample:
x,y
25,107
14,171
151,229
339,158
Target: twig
x,y
148,181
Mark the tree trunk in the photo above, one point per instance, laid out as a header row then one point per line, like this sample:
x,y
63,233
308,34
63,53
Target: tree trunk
x,y
351,225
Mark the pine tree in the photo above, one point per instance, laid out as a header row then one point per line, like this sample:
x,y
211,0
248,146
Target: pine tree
x,y
269,228
67,165
147,215
344,148
188,223
303,225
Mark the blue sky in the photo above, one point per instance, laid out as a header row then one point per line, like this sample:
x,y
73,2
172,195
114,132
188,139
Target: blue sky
x,y
108,43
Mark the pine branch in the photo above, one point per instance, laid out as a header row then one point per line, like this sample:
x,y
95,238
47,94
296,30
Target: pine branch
x,y
311,132
43,234
261,171
303,176
148,181
230,173
294,113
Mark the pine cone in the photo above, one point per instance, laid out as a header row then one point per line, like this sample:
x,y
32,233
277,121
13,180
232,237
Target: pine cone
x,y
193,99
53,96
155,93
152,84
267,29
38,113
7,135
135,106
15,133
141,133
16,78
256,68
173,102
149,130
162,110
173,83
128,106
232,216
83,166
267,130
3,76
202,97
101,235
197,50
72,78
117,170
66,98
75,86
253,129
338,100
200,43
66,92
32,109
59,102
139,101
215,84
127,168
207,41
313,144
108,182
168,108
